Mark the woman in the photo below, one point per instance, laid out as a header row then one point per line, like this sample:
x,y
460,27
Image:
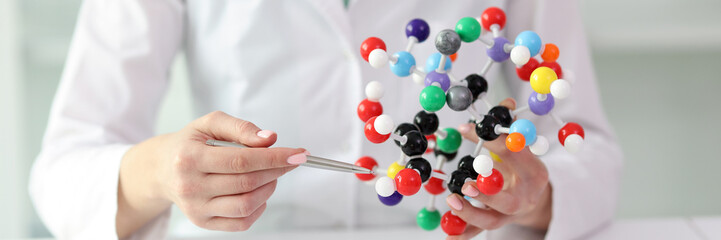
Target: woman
x,y
285,73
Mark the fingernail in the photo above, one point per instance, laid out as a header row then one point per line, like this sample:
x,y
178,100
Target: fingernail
x,y
454,202
265,133
306,153
470,191
297,158
464,128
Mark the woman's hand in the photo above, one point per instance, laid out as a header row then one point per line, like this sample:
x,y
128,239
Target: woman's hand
x,y
218,188
525,200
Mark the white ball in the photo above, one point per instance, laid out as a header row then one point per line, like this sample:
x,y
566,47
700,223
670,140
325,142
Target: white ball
x,y
560,89
483,165
383,124
520,55
378,58
540,147
374,91
573,143
419,78
385,186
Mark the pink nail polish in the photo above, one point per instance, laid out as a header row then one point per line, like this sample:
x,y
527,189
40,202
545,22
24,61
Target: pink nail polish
x,y
470,191
454,202
297,159
464,128
306,153
265,133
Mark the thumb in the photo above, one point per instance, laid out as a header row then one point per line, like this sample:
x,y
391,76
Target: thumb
x,y
509,103
468,131
221,126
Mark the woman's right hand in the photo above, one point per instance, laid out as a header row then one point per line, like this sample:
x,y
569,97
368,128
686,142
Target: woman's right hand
x,y
217,188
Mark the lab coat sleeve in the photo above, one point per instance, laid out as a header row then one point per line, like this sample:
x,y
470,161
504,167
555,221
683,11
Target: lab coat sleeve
x,y
585,184
114,80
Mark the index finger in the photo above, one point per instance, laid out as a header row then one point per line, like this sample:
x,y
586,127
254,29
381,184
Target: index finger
x,y
245,160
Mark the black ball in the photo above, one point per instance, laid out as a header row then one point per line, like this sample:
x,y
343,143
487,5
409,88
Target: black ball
x,y
426,122
503,114
402,129
466,164
477,84
486,129
422,166
449,156
416,143
458,178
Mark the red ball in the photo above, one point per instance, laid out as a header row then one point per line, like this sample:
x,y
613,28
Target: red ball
x,y
434,185
368,163
524,72
554,66
568,129
490,185
368,109
370,44
429,139
408,182
493,15
452,224
373,135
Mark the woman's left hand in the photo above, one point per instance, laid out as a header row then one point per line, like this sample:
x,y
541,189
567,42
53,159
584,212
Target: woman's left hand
x,y
525,199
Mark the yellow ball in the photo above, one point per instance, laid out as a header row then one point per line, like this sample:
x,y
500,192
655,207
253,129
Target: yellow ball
x,y
541,79
393,169
495,157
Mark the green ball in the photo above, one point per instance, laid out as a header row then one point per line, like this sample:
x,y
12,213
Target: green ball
x,y
428,220
468,29
451,142
432,98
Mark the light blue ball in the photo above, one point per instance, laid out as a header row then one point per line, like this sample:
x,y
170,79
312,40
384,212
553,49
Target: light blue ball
x,y
434,60
531,40
526,128
406,61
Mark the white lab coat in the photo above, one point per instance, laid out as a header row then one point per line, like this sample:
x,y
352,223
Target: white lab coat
x,y
293,67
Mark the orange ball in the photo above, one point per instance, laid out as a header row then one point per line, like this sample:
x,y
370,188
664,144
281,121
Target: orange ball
x,y
453,57
550,52
515,142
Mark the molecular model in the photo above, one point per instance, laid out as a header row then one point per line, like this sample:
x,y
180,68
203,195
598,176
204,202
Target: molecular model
x,y
423,136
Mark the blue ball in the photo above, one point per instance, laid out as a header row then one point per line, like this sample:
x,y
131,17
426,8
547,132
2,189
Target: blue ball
x,y
526,128
391,200
531,40
435,59
402,68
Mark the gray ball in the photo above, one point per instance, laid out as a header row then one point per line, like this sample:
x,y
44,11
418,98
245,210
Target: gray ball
x,y
448,42
459,98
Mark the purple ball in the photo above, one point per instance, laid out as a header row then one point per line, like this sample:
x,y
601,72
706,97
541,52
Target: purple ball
x,y
540,107
391,200
419,29
441,78
496,52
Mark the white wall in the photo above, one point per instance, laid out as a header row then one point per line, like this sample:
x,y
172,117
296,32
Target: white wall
x,y
657,63
653,25
12,185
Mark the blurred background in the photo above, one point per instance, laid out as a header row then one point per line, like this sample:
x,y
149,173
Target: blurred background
x,y
657,63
